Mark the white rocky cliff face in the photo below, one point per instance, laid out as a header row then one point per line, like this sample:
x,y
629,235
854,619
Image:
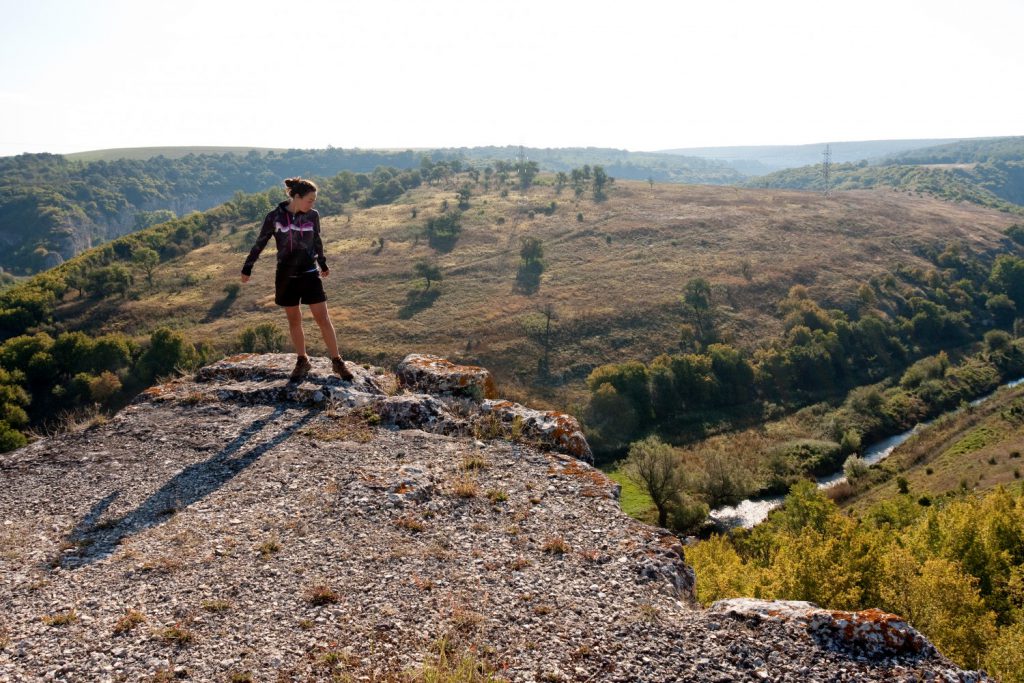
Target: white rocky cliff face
x,y
233,523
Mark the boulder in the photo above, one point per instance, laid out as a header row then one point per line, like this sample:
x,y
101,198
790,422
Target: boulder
x,y
436,375
871,632
556,430
420,411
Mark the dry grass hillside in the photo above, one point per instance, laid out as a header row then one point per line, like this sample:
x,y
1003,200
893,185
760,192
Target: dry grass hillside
x,y
614,272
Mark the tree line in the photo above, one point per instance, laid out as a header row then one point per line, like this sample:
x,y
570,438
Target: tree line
x,y
953,568
823,353
997,184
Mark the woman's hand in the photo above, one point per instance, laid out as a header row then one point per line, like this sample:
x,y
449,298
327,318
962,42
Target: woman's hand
x,y
325,272
245,278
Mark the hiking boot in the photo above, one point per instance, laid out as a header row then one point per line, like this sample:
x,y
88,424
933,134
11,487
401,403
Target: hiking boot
x,y
340,370
302,368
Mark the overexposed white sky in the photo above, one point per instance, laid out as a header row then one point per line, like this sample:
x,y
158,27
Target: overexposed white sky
x,y
640,75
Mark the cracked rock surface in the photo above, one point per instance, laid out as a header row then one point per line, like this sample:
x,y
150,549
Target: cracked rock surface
x,y
233,524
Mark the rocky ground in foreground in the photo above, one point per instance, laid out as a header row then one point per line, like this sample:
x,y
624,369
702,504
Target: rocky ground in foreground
x,y
233,526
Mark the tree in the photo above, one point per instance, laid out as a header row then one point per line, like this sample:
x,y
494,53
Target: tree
x,y
725,480
147,260
168,352
630,379
806,507
1003,310
444,230
114,279
531,249
10,438
855,467
13,401
943,602
531,264
1008,277
610,418
721,572
600,180
428,271
697,304
657,468
527,171
560,181
579,182
464,195
734,374
1005,658
103,387
77,279
110,352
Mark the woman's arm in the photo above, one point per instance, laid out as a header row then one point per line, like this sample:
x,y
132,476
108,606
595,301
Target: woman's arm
x,y
265,233
319,246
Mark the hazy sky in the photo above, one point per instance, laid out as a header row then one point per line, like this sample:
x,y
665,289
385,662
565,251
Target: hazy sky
x,y
92,74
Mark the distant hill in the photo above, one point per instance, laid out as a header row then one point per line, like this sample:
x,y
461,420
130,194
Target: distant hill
x,y
618,163
143,153
998,184
761,159
964,151
53,207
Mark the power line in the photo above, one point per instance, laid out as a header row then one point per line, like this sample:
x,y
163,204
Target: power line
x,y
826,170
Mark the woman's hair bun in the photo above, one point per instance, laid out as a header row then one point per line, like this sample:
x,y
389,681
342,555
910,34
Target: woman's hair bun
x,y
299,186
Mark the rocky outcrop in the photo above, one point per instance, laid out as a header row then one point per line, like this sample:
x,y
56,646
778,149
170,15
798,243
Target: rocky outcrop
x,y
872,632
235,525
447,402
436,375
558,430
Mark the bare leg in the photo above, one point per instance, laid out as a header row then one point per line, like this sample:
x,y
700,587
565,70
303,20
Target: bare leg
x,y
294,314
323,320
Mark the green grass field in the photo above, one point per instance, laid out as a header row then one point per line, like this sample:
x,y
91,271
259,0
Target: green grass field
x,y
633,500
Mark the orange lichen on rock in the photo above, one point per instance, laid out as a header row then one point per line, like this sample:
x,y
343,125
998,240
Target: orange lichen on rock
x,y
871,631
575,468
870,626
436,375
555,430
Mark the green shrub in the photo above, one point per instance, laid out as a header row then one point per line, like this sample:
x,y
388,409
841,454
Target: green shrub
x,y
263,338
810,456
854,468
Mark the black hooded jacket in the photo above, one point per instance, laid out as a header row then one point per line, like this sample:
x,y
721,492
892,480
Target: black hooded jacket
x,y
299,248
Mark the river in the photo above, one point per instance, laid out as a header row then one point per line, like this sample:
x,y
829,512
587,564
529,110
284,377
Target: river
x,y
749,513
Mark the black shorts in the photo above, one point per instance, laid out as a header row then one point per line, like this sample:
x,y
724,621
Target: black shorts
x,y
306,288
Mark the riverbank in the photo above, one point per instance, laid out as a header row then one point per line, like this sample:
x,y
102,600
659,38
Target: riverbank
x,y
997,444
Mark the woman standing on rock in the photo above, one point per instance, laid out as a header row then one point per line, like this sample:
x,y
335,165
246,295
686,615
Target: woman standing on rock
x,y
295,225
